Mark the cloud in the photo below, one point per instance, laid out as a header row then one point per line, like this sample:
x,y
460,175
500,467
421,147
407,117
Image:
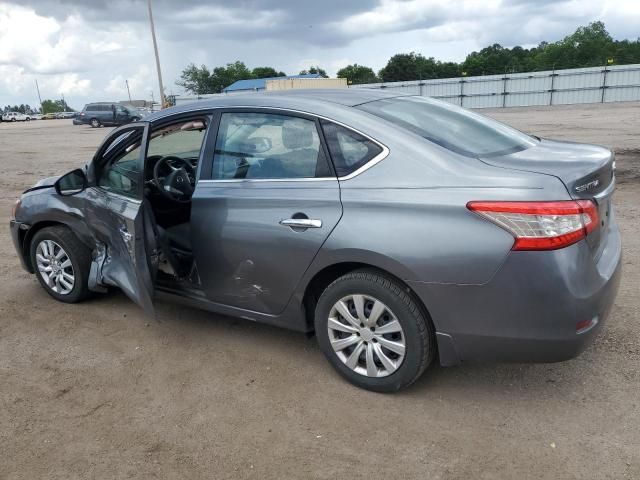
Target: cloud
x,y
87,49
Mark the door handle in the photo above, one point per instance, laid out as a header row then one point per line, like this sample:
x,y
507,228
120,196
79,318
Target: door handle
x,y
301,223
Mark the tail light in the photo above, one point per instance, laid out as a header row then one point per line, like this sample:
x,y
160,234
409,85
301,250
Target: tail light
x,y
541,225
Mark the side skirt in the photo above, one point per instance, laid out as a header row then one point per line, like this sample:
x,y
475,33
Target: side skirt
x,y
195,298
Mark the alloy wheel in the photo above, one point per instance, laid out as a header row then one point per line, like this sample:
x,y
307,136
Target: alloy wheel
x,y
366,336
55,267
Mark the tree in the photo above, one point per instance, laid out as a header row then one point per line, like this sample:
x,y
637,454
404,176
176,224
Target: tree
x,y
222,77
195,80
409,66
266,72
356,74
52,106
588,46
313,70
200,81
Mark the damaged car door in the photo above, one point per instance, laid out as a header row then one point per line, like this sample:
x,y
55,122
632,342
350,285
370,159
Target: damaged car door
x,y
116,214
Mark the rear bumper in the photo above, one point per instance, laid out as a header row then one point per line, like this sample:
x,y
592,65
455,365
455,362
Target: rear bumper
x,y
530,309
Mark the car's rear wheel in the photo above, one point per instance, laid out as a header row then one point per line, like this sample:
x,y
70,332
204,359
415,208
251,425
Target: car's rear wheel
x,y
62,263
28,119
13,119
373,332
95,123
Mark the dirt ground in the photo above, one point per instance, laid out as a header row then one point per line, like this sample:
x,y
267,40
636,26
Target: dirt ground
x,y
97,390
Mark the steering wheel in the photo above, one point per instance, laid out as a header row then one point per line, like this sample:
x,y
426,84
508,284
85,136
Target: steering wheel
x,y
173,182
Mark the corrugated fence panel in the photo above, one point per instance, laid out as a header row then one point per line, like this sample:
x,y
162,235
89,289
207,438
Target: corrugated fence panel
x,y
441,89
527,99
620,94
577,96
579,85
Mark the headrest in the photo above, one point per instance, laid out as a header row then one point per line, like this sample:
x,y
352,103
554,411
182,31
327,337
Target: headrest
x,y
297,133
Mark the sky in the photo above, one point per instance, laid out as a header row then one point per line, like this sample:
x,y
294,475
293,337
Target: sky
x,y
86,49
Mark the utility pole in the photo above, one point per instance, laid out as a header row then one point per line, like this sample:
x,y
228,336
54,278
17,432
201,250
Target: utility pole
x,y
155,48
39,98
64,105
128,91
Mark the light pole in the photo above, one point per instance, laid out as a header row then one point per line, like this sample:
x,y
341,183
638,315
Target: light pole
x,y
39,98
155,48
128,91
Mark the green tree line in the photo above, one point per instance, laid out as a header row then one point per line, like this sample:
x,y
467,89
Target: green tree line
x,y
48,106
588,46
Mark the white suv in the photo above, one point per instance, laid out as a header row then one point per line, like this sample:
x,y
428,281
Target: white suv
x,y
15,117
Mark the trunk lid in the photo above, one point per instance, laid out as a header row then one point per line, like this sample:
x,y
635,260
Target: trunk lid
x,y
587,171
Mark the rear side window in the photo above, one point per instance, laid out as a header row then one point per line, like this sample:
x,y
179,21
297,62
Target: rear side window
x,y
267,146
349,150
452,127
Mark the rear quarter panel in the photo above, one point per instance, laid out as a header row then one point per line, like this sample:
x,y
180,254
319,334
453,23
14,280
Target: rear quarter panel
x,y
407,214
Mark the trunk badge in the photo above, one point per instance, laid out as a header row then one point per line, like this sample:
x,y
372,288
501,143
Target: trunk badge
x,y
587,186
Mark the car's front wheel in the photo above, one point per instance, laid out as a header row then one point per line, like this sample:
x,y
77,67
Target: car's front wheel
x,y
373,332
62,263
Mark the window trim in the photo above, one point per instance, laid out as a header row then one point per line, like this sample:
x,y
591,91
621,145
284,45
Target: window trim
x,y
219,111
102,150
212,138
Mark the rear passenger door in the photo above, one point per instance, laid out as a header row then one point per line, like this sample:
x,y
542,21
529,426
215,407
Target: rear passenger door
x,y
265,203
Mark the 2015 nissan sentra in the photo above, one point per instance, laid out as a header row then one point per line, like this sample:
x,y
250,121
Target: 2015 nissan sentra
x,y
399,228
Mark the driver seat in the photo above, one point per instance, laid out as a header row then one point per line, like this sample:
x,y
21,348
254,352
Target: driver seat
x,y
178,235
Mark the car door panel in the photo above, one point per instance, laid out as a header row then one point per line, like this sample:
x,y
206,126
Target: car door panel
x,y
121,224
246,257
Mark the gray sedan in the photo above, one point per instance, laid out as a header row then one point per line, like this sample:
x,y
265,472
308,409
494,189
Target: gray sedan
x,y
400,229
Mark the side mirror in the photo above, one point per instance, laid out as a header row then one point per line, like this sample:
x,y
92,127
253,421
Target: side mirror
x,y
71,183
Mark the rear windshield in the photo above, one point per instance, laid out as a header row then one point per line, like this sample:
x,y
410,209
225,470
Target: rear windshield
x,y
452,127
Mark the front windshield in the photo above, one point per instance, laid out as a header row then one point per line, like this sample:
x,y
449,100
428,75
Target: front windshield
x,y
452,127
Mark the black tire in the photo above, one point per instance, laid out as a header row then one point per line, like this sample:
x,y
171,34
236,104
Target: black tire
x,y
418,332
77,252
95,123
13,119
28,119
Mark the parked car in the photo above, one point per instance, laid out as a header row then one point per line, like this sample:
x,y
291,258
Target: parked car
x,y
36,116
49,116
400,229
105,113
16,117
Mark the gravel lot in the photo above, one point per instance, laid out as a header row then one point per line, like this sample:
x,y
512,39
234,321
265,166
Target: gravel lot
x,y
97,390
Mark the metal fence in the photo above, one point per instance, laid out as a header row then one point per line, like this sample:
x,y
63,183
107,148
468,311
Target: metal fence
x,y
554,87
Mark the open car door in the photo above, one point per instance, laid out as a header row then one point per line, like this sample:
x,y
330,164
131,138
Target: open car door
x,y
120,220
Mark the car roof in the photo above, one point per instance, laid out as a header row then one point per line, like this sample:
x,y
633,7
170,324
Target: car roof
x,y
302,99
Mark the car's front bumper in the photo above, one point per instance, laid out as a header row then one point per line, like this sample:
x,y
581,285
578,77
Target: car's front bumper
x,y
531,308
18,233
